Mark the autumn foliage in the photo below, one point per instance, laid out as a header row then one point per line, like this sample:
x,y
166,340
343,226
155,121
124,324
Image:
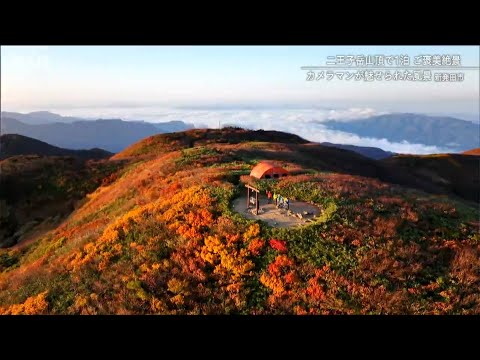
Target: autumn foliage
x,y
161,238
278,245
34,305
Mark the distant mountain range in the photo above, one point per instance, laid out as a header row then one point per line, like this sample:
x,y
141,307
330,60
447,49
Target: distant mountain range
x,y
171,126
14,144
115,135
112,134
39,117
370,152
447,132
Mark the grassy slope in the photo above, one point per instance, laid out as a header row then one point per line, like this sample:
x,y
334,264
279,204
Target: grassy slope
x,y
162,239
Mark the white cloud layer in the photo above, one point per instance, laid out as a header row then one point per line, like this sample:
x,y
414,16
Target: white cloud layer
x,y
303,122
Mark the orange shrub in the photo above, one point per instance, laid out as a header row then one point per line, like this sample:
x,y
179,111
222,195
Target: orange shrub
x,y
34,305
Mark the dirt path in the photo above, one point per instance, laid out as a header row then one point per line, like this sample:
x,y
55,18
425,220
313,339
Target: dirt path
x,y
277,217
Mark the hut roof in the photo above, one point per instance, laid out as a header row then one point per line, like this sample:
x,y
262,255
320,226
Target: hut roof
x,y
266,167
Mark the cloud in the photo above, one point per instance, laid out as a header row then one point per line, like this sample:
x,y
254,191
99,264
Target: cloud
x,y
306,123
353,114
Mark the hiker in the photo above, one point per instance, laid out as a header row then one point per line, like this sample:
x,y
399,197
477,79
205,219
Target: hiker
x,y
280,200
269,196
287,201
275,198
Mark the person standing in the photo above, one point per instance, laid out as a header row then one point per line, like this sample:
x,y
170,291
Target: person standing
x,y
269,196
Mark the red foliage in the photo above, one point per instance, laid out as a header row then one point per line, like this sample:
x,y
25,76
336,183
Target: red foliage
x,y
278,245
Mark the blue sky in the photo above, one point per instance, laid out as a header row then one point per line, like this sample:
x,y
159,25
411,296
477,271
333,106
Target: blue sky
x,y
250,86
131,76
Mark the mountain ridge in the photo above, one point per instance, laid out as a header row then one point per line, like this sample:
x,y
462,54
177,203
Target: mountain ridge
x,y
39,117
368,151
444,132
311,154
472,152
110,134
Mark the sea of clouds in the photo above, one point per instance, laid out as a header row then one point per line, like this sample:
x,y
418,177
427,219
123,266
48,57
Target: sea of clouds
x,y
306,123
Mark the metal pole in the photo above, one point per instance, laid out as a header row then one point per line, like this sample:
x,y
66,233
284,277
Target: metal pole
x,y
248,197
256,198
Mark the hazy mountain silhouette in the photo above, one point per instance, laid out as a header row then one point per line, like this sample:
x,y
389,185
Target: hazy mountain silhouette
x,y
112,134
39,117
458,135
370,152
